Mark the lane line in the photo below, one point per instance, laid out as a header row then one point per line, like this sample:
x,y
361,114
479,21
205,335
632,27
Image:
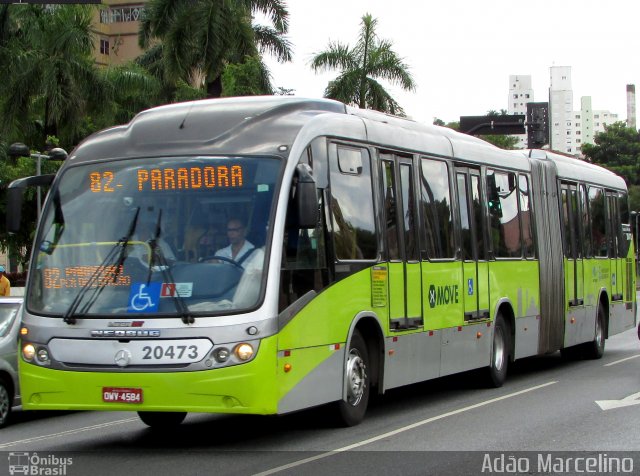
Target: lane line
x,y
621,360
68,432
399,430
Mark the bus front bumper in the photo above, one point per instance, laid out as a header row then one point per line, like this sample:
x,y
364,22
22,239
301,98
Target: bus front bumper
x,y
243,389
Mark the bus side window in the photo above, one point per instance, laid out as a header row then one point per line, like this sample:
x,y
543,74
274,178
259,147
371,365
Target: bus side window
x,y
435,197
505,218
597,213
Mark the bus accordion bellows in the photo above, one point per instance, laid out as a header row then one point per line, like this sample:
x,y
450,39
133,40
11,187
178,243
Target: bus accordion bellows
x,y
376,252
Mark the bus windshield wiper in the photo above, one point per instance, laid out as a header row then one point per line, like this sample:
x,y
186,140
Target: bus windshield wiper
x,y
156,252
70,316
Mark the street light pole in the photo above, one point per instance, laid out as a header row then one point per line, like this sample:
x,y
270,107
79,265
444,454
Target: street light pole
x,y
19,149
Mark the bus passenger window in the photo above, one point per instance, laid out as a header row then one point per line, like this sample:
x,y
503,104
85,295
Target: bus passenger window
x,y
354,231
598,221
525,217
435,197
505,219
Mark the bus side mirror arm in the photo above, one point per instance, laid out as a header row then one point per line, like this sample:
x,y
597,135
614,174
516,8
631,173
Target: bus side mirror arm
x,y
306,199
15,193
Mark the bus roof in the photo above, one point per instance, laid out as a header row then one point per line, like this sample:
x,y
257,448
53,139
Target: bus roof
x,y
261,124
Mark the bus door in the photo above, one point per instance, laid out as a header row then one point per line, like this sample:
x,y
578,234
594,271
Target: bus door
x,y
574,259
473,249
613,232
401,242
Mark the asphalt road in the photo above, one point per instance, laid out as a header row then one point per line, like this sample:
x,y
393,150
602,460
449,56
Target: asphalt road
x,y
452,425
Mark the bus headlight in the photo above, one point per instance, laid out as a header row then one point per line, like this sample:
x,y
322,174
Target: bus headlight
x,y
244,351
42,356
28,351
221,355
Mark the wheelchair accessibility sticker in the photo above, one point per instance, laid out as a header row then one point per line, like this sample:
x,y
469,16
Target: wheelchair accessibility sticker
x,y
144,297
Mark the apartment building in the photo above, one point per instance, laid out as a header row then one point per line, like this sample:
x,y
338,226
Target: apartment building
x,y
571,129
520,93
116,24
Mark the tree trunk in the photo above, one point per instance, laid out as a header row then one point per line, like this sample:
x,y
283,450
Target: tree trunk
x,y
214,88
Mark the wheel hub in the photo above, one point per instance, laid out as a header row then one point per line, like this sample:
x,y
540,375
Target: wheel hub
x,y
356,378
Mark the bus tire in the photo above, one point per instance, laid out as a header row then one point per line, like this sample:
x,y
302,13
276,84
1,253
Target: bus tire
x,y
595,348
6,401
352,410
162,420
497,370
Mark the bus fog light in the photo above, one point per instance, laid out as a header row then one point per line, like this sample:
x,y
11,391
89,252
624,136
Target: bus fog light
x,y
244,351
43,356
28,351
221,355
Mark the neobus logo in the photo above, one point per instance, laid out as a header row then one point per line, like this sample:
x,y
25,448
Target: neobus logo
x,y
443,295
127,333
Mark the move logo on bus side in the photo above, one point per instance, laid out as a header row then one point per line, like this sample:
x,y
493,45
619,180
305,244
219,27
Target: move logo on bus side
x,y
448,294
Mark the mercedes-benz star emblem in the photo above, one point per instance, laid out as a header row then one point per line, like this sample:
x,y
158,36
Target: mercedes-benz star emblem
x,y
122,358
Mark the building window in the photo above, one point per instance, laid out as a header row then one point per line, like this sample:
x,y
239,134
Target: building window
x,y
526,96
577,124
578,141
577,116
578,133
104,46
515,96
568,133
596,116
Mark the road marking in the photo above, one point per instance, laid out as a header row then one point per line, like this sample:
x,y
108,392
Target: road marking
x,y
399,430
625,402
621,360
68,432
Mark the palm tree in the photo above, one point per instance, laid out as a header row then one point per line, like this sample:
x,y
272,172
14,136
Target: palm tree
x,y
369,59
51,76
194,41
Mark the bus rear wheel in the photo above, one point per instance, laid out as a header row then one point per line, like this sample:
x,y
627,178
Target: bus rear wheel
x,y
162,420
595,348
497,370
351,411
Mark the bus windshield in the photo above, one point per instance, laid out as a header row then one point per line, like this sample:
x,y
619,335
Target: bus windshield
x,y
160,236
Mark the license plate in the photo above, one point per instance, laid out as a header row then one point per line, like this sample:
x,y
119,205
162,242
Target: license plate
x,y
121,395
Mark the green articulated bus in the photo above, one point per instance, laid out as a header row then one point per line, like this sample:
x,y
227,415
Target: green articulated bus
x,y
378,252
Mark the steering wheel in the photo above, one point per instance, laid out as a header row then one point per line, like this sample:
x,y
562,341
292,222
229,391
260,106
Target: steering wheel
x,y
222,258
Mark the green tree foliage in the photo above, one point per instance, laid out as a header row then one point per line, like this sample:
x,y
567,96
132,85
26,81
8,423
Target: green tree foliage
x,y
502,141
195,41
360,67
618,149
50,80
246,79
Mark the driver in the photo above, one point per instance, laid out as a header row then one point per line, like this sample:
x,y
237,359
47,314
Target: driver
x,y
239,246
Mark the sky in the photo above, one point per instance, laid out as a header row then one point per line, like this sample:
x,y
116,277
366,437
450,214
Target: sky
x,y
461,52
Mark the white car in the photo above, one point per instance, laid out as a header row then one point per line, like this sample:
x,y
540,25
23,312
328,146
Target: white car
x,y
9,327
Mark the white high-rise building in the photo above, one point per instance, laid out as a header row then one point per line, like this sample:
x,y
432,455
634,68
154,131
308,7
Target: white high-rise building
x,y
570,129
520,93
561,110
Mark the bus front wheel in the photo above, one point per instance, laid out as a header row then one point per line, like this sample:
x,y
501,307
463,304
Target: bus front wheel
x,y
6,400
162,420
352,409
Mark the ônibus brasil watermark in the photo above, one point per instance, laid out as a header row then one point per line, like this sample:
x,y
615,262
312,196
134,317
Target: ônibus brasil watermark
x,y
32,464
